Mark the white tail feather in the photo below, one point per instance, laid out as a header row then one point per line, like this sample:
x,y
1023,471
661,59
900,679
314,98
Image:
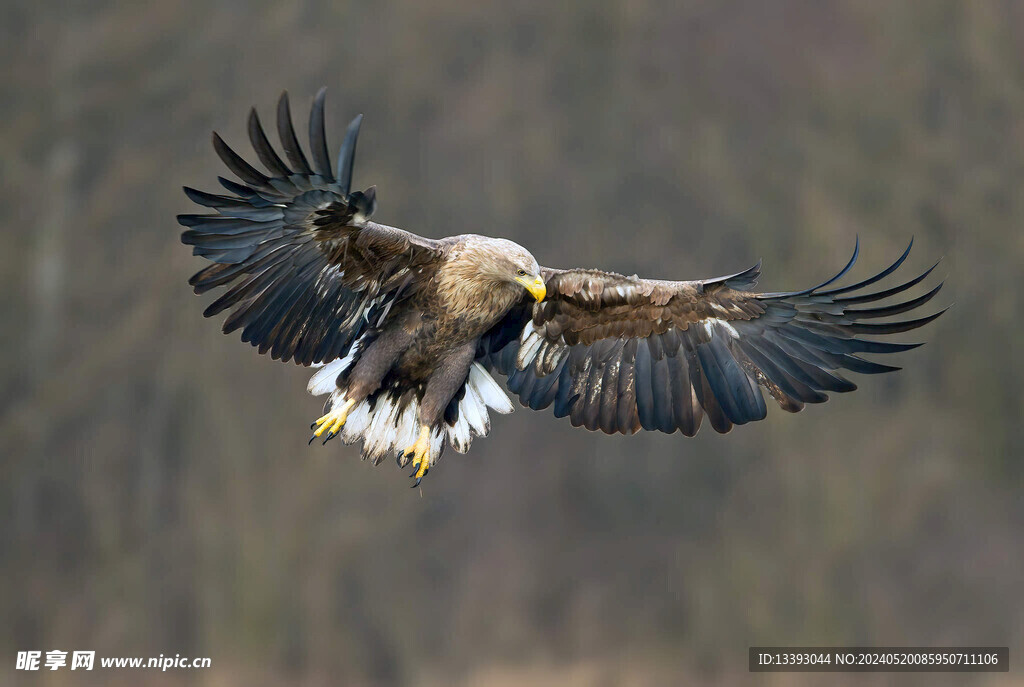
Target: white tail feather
x,y
380,436
393,423
323,382
489,390
357,423
481,392
437,436
475,412
408,425
325,379
459,435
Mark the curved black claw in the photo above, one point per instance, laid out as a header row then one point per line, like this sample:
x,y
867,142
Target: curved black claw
x,y
420,478
311,438
403,459
330,435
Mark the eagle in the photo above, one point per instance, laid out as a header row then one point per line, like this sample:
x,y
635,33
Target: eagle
x,y
408,333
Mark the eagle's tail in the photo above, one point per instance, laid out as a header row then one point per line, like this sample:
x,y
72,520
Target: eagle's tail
x,y
387,421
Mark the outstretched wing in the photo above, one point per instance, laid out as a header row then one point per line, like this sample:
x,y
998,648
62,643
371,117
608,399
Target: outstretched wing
x,y
621,353
305,267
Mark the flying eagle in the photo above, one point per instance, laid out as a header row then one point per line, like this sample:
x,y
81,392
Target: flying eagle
x,y
407,331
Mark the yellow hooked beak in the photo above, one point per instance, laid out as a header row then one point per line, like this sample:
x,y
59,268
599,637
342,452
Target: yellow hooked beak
x,y
535,287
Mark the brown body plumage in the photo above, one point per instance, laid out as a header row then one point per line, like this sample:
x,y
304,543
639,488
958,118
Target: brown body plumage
x,y
407,329
462,302
430,338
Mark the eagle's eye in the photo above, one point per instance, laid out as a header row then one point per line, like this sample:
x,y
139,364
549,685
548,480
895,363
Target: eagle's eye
x,y
521,272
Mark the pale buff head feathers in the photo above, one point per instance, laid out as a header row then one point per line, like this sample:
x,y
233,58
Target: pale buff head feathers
x,y
501,261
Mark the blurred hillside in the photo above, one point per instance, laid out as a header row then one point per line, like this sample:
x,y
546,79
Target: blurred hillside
x,y
158,495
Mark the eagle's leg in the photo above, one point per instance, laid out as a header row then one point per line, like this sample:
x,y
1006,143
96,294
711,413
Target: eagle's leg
x,y
420,453
447,378
364,379
332,422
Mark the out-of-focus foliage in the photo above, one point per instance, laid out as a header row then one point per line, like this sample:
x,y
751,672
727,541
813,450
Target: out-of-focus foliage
x,y
158,495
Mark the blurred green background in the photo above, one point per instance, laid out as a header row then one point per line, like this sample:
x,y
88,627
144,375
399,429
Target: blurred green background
x,y
157,493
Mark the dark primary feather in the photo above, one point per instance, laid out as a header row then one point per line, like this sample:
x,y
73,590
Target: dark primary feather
x,y
286,132
318,137
622,354
302,263
347,155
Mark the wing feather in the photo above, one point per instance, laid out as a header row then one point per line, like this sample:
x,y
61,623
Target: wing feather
x,y
290,143
300,260
318,137
660,355
268,156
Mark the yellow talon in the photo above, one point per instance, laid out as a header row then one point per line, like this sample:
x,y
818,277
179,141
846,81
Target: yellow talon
x,y
334,420
420,452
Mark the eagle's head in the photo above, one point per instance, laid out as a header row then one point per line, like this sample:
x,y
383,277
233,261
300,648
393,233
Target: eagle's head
x,y
505,262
